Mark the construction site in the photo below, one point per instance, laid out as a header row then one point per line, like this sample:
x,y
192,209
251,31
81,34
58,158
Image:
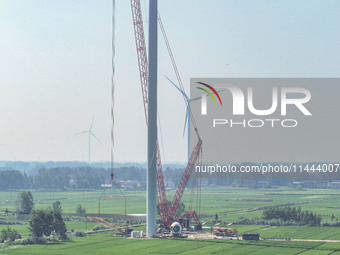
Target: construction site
x,y
168,226
192,144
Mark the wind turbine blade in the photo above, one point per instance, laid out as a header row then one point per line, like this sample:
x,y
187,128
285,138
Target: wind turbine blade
x,y
196,98
95,136
92,122
186,119
82,132
187,98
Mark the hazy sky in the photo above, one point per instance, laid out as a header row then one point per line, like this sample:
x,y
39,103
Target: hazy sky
x,y
55,67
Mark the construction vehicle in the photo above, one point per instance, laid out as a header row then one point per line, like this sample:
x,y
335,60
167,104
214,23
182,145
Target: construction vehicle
x,y
185,220
230,232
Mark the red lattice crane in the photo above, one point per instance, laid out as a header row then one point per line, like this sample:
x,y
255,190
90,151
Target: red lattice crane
x,y
143,73
166,214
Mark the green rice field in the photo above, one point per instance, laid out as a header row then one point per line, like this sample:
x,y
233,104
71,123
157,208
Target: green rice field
x,y
230,204
101,245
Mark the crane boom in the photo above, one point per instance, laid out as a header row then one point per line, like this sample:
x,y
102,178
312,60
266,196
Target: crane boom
x,y
143,73
185,178
197,150
166,215
141,52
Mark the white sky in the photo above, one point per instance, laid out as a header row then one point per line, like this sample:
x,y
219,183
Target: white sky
x,y
55,67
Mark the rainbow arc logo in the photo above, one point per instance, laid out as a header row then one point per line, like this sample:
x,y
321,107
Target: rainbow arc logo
x,y
209,93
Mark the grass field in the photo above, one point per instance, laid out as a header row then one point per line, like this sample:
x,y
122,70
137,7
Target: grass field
x,y
294,232
106,244
229,203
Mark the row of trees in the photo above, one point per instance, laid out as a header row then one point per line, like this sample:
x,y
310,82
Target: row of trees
x,y
292,214
65,178
68,178
11,179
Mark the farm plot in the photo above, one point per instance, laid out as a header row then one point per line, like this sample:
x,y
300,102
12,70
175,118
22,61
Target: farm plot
x,y
98,245
300,232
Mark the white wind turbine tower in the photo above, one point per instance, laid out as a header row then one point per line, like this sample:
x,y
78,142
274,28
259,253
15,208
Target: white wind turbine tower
x,y
90,134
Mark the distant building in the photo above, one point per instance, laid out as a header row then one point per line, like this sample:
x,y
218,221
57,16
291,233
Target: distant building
x,y
71,180
169,184
131,184
263,185
309,184
312,184
295,184
109,185
254,237
322,184
335,184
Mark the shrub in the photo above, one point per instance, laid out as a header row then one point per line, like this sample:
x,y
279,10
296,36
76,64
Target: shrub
x,y
98,227
80,209
25,241
30,240
80,233
8,234
331,224
39,240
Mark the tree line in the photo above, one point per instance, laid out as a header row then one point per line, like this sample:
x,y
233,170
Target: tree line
x,y
292,214
70,178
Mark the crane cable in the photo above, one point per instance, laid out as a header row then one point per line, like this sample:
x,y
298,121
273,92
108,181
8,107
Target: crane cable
x,y
172,58
112,115
113,95
195,183
112,85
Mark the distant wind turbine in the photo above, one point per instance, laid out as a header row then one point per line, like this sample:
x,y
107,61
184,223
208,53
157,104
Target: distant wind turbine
x,y
90,134
187,115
